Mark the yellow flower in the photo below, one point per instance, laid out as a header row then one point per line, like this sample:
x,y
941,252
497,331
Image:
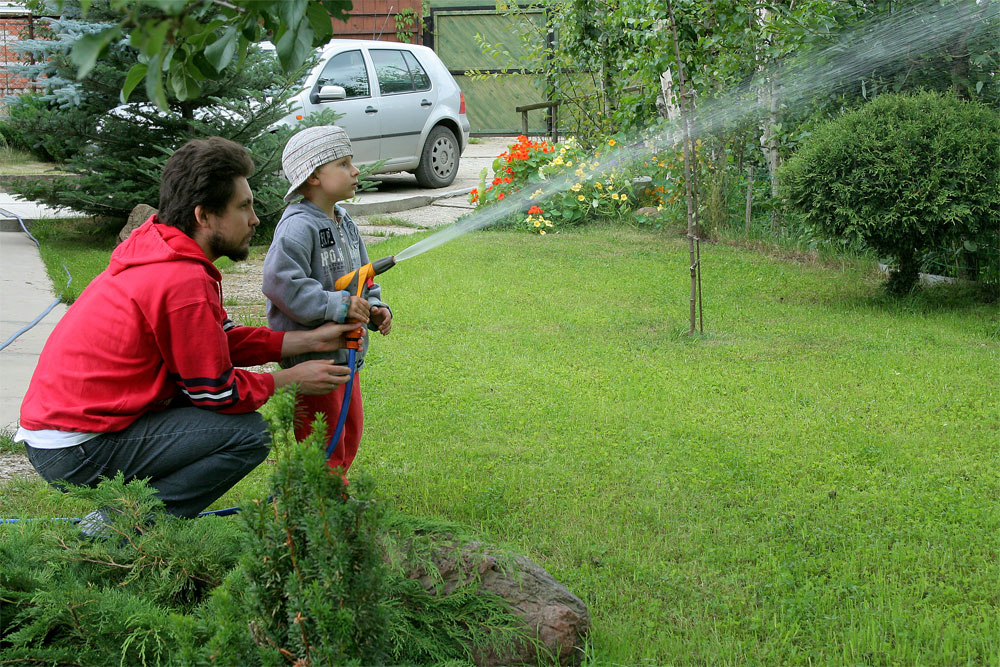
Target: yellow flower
x,y
660,207
598,185
537,224
580,197
536,193
663,164
615,196
548,223
612,142
558,161
576,188
569,163
541,232
579,172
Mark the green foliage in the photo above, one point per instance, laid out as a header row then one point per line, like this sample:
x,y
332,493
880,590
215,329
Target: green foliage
x,y
101,601
903,174
404,21
314,579
186,44
318,572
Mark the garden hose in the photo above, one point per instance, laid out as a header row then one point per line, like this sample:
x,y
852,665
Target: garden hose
x,y
52,305
348,391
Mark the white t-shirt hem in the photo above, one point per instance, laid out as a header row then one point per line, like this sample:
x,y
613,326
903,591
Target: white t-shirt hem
x,y
52,439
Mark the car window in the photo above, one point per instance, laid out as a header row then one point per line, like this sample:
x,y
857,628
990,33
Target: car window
x,y
420,79
348,70
392,72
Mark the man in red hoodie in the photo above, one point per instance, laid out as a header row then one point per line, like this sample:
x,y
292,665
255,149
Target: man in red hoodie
x,y
141,373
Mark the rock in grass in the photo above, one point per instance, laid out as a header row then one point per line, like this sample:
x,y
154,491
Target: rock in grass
x,y
139,215
555,617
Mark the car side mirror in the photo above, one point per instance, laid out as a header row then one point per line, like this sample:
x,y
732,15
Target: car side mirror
x,y
329,93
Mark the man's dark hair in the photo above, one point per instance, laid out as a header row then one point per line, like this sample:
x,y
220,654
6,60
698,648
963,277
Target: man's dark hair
x,y
200,172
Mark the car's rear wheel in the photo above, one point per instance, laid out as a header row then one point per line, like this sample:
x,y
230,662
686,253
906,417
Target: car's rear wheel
x,y
439,159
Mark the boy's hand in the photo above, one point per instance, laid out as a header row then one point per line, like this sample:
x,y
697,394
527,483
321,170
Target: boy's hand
x,y
382,318
358,310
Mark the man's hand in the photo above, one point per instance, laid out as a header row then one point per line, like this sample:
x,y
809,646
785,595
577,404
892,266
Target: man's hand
x,y
319,376
358,311
382,318
324,338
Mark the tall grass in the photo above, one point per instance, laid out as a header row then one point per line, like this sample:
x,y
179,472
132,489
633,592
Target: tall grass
x,y
813,480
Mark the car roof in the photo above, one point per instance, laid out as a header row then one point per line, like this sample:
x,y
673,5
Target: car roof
x,y
338,44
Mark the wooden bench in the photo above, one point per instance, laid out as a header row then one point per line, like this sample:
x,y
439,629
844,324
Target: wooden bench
x,y
554,125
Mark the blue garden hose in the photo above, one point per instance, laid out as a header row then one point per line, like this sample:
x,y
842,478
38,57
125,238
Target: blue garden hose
x,y
348,391
228,511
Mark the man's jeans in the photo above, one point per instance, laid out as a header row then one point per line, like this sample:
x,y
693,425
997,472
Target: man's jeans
x,y
190,455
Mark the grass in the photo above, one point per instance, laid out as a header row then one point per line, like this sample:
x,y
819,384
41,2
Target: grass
x,y
813,480
14,162
7,444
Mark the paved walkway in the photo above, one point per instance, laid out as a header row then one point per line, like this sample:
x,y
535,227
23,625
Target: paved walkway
x,y
26,291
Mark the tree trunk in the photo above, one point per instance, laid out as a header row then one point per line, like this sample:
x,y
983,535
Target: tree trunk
x,y
669,109
686,104
769,134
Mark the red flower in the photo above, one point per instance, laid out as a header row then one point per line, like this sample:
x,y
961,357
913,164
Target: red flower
x,y
500,197
496,181
534,210
508,179
522,139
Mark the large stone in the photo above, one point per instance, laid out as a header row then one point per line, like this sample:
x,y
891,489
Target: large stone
x,y
554,616
139,215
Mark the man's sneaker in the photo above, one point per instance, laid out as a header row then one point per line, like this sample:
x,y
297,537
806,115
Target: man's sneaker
x,y
97,524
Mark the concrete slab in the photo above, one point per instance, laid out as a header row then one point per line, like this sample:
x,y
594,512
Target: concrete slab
x,y
25,293
399,192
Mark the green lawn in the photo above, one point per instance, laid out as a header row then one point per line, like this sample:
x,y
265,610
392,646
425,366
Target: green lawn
x,y
813,480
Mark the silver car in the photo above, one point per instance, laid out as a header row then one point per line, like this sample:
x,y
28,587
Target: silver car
x,y
398,103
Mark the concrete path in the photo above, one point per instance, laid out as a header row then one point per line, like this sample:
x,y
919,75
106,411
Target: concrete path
x,y
26,291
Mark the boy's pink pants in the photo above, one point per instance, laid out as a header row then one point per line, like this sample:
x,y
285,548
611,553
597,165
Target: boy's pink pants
x,y
306,408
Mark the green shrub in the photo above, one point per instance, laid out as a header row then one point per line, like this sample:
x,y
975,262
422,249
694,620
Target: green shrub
x,y
905,174
312,575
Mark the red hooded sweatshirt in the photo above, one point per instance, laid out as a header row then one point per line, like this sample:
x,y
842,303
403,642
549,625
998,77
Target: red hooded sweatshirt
x,y
147,330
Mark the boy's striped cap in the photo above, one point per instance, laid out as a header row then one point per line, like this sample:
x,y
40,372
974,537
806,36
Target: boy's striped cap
x,y
309,149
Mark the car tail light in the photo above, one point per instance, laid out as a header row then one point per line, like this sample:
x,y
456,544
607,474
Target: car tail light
x,y
461,106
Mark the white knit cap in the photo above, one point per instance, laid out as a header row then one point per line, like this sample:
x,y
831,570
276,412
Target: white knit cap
x,y
311,148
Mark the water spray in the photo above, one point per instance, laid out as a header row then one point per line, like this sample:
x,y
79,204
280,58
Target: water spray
x,y
854,55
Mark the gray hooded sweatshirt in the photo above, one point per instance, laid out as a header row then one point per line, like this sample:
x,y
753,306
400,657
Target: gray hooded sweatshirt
x,y
308,254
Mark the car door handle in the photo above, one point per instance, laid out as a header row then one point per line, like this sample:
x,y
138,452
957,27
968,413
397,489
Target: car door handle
x,y
371,110
426,102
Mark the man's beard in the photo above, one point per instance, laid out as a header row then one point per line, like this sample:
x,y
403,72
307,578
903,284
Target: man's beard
x,y
221,247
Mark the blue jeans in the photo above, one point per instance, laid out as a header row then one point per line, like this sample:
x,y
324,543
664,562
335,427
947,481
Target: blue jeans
x,y
191,456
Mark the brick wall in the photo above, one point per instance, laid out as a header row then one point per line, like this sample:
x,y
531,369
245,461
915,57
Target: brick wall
x,y
15,24
375,19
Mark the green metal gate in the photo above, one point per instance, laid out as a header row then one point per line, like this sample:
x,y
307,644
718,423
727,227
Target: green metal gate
x,y
491,96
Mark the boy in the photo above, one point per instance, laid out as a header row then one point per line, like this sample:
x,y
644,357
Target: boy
x,y
315,243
